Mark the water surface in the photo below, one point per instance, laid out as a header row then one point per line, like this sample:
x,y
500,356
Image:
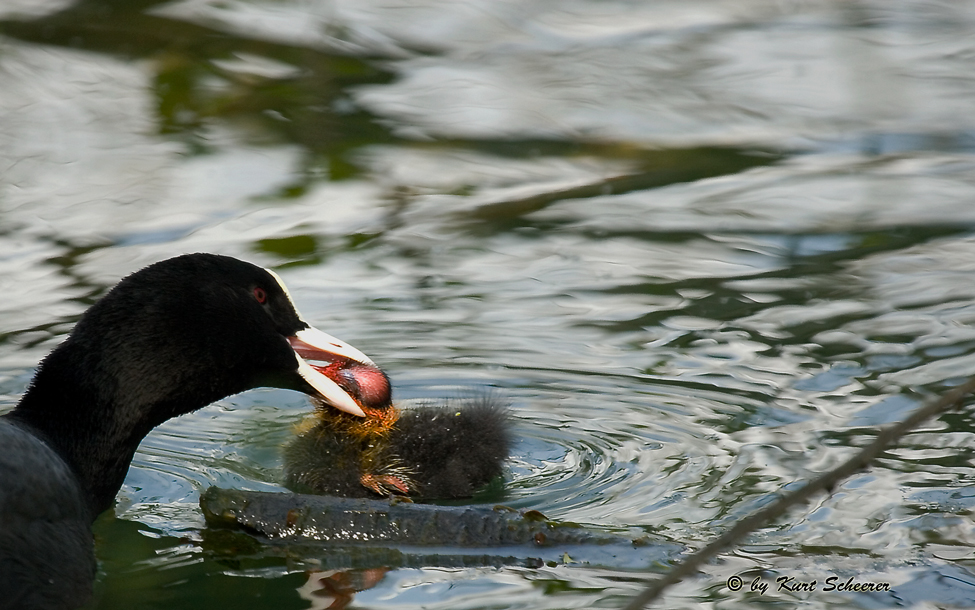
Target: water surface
x,y
705,248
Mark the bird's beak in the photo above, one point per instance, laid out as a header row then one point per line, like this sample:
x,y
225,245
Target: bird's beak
x,y
342,376
333,367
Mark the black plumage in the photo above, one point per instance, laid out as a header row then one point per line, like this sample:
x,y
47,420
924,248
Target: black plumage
x,y
429,453
165,341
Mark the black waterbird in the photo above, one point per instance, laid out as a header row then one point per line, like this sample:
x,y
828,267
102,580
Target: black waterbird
x,y
167,340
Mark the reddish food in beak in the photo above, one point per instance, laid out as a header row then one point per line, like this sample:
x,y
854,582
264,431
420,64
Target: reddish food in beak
x,y
367,384
343,376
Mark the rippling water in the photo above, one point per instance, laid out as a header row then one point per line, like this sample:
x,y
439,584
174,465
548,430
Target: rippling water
x,y
786,265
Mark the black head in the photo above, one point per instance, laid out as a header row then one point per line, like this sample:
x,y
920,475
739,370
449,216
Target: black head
x,y
170,339
187,331
184,332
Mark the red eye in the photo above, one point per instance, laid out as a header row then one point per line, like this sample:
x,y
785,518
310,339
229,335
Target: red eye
x,y
260,294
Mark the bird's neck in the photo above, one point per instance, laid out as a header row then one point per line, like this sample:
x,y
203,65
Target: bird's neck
x,y
80,416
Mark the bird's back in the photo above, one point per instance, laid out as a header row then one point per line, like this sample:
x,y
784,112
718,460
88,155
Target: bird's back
x,y
47,558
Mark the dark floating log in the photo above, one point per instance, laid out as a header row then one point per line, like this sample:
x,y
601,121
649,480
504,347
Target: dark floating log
x,y
352,520
288,518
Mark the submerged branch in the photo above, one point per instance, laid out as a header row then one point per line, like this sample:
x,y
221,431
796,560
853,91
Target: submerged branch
x,y
825,482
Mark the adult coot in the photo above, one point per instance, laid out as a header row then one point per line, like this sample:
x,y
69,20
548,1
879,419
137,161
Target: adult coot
x,y
426,452
165,341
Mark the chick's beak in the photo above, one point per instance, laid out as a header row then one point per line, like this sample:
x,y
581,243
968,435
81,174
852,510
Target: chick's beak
x,y
342,376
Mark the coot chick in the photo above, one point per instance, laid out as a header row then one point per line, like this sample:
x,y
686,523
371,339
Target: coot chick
x,y
165,341
424,452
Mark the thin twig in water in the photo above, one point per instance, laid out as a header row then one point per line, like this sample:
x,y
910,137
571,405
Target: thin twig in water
x,y
824,482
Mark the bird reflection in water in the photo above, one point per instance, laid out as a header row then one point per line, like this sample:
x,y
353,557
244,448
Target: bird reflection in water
x,y
335,589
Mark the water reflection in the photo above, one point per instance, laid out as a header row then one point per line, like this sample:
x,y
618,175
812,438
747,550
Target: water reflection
x,y
336,589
